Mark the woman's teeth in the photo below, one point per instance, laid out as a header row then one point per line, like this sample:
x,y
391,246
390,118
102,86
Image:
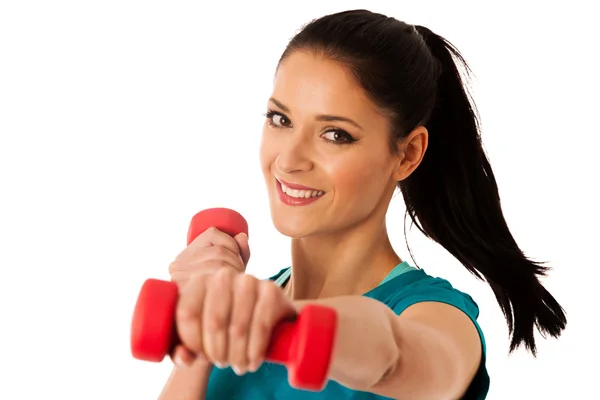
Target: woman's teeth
x,y
301,194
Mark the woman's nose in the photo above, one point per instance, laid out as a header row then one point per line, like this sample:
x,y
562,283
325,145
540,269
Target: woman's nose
x,y
295,157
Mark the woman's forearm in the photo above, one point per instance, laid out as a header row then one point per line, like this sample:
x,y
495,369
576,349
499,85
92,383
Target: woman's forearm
x,y
432,351
365,348
187,383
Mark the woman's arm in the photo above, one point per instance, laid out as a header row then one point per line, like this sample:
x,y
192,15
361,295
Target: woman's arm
x,y
187,383
432,350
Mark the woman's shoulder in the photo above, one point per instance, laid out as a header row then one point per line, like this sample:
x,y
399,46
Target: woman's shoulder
x,y
407,288
417,286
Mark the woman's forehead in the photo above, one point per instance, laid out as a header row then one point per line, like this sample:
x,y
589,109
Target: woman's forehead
x,y
307,81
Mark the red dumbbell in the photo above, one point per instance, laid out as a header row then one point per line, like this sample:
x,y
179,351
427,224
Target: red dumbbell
x,y
304,345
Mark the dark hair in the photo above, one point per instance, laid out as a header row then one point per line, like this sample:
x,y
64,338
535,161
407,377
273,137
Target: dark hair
x,y
452,196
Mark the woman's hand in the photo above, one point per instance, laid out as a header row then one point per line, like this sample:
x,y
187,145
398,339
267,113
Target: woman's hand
x,y
227,318
210,251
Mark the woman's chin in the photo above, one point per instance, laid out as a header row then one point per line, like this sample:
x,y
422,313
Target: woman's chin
x,y
291,226
287,228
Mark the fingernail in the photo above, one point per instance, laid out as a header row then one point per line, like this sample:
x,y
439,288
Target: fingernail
x,y
220,365
179,362
237,371
201,356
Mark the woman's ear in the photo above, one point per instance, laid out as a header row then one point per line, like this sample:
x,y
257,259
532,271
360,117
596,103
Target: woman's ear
x,y
411,150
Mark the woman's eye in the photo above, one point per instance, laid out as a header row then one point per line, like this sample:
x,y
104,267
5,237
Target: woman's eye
x,y
278,120
338,136
281,120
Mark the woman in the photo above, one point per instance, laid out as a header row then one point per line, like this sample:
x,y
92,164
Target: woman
x,y
362,104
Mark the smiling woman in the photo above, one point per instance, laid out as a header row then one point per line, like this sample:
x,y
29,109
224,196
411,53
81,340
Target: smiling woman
x,y
363,104
323,132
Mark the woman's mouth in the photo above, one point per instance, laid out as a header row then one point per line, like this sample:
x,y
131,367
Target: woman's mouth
x,y
297,195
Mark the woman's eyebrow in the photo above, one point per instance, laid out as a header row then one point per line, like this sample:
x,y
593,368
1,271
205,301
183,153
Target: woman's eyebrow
x,y
326,118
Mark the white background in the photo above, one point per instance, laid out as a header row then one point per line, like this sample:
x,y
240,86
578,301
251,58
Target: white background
x,y
121,119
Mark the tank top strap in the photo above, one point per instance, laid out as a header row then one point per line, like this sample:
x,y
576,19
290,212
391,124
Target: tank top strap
x,y
282,279
399,269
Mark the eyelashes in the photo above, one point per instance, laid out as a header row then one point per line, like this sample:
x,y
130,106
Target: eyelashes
x,y
269,116
337,136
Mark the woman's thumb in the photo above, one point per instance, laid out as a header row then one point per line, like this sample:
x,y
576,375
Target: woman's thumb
x,y
242,241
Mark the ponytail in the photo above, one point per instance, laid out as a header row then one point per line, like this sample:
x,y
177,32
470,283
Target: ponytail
x,y
452,197
410,73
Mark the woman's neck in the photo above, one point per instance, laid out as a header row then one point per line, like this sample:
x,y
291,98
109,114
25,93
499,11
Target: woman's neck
x,y
345,263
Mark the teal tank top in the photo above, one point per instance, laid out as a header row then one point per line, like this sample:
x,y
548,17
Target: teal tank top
x,y
403,287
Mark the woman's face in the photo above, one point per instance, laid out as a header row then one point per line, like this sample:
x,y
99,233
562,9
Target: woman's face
x,y
325,150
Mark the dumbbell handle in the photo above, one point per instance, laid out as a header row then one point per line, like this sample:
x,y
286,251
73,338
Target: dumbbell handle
x,y
303,345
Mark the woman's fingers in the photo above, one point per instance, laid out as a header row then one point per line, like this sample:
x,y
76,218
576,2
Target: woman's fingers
x,y
189,313
228,319
182,275
245,293
182,357
212,249
218,304
214,237
210,257
272,307
242,241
